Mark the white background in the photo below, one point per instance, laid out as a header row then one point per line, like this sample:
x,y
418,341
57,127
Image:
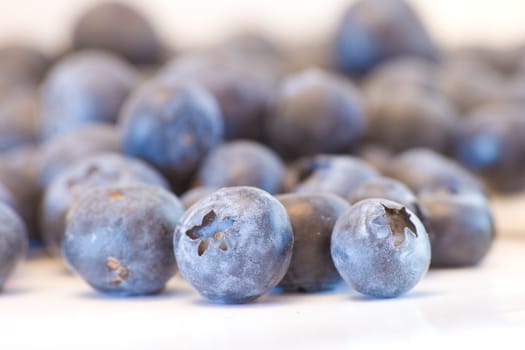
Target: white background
x,y
197,22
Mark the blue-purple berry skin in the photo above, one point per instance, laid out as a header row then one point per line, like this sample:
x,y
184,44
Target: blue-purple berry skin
x,y
171,126
99,170
313,216
380,248
13,242
119,239
242,163
460,225
234,245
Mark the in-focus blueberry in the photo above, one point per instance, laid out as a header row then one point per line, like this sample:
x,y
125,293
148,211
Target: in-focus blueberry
x,y
313,216
314,112
84,88
81,177
460,225
13,242
242,163
119,239
171,126
234,245
380,248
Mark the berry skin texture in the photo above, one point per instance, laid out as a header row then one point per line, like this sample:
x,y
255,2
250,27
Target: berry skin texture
x,y
460,226
234,245
380,248
99,170
314,112
119,238
13,242
171,126
313,216
242,163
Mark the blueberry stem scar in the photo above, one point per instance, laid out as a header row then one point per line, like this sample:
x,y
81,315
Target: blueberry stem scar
x,y
398,220
121,271
209,230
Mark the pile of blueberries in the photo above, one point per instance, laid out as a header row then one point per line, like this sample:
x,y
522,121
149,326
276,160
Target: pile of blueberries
x,y
252,168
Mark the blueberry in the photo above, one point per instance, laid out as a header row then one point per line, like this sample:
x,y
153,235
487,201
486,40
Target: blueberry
x,y
386,188
194,195
330,173
314,112
409,116
84,88
421,168
380,248
242,163
460,225
121,29
18,118
82,176
313,217
171,126
58,153
241,90
119,238
13,242
490,142
373,31
234,245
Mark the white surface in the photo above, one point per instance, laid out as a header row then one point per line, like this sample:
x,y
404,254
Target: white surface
x,y
198,22
44,307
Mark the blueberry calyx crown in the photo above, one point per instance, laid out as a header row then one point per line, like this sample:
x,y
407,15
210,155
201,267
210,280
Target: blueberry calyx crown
x,y
211,229
120,271
398,221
